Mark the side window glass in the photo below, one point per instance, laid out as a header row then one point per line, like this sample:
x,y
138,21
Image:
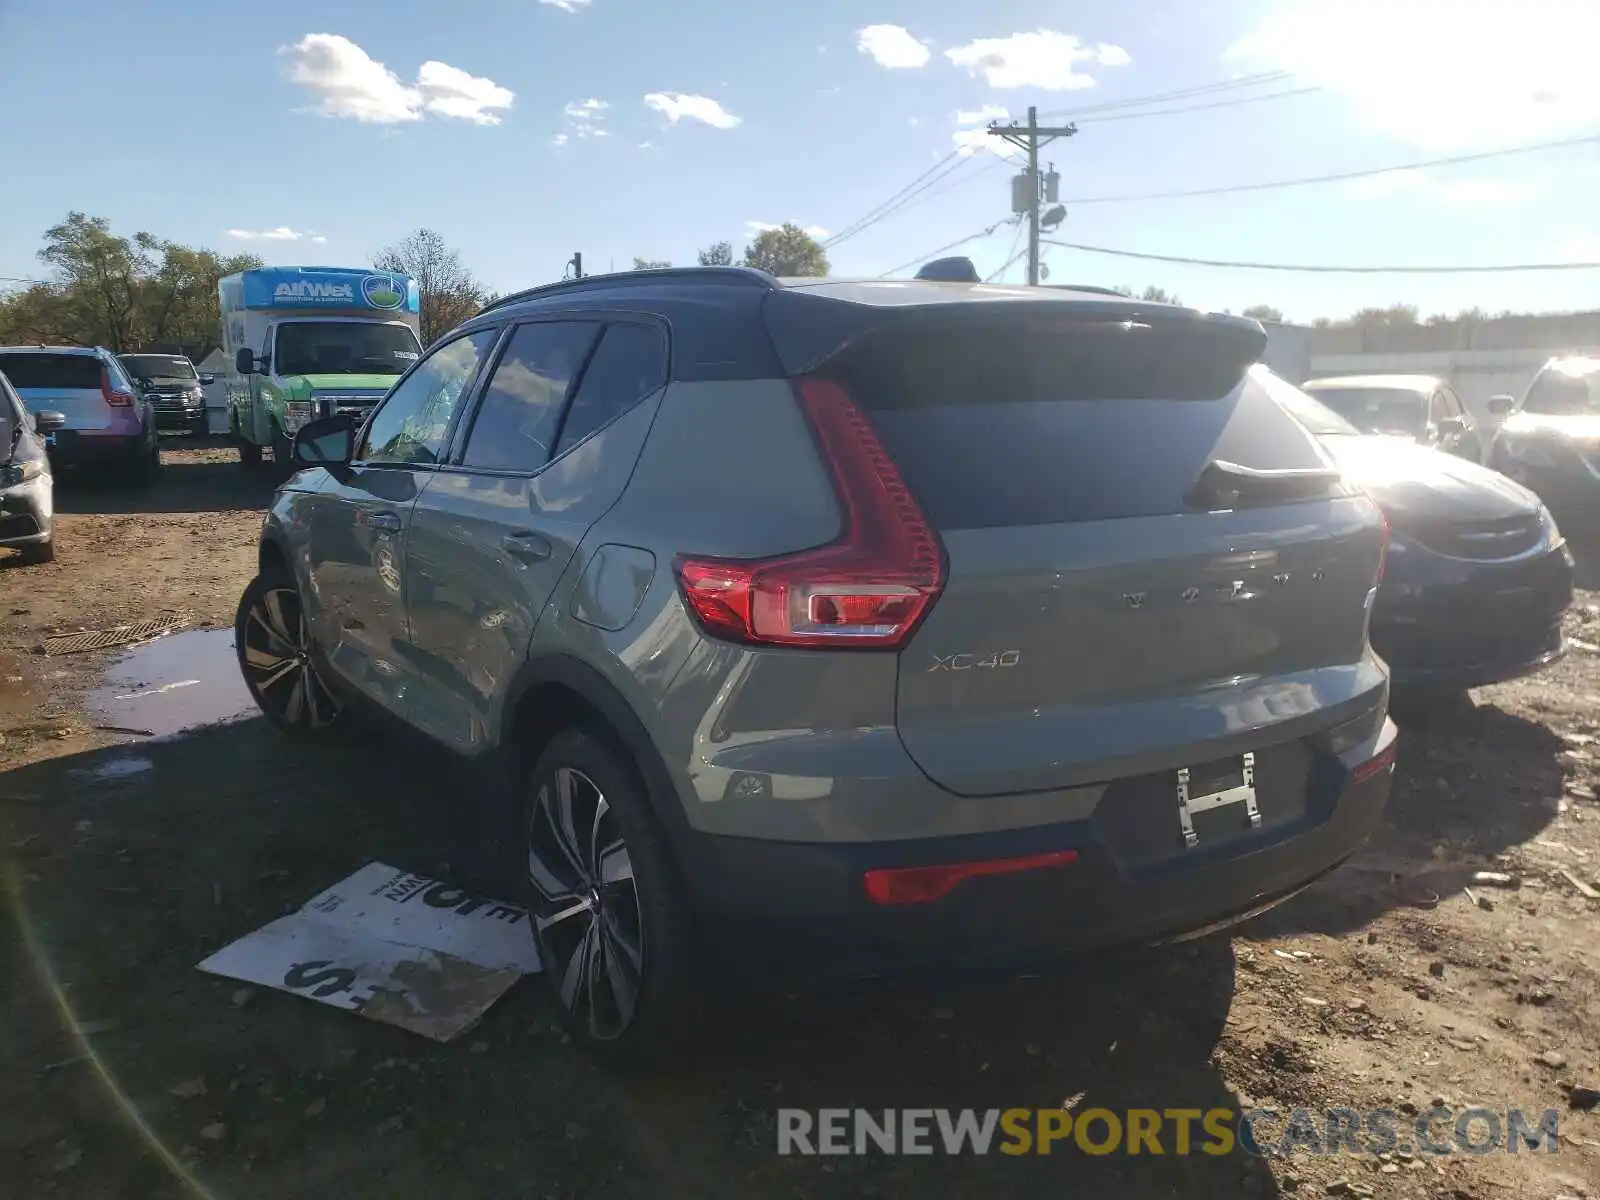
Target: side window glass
x,y
412,425
1452,403
515,429
629,364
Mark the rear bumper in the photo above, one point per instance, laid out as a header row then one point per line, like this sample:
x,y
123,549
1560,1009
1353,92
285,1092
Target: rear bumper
x,y
1033,917
75,448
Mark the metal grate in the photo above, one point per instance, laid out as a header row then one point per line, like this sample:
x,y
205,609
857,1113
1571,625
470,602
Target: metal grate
x,y
120,635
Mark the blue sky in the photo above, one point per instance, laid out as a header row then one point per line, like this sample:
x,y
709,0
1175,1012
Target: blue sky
x,y
526,129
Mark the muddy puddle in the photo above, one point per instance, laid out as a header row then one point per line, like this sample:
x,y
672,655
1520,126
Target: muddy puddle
x,y
172,685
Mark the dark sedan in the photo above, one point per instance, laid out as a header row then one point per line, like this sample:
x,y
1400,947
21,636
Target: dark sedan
x,y
1551,441
1478,575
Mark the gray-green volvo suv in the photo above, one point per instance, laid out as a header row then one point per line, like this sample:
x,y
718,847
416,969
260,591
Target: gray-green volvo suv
x,y
943,623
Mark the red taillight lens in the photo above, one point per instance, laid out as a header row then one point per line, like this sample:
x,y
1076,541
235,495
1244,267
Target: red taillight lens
x,y
923,885
112,396
869,588
1376,765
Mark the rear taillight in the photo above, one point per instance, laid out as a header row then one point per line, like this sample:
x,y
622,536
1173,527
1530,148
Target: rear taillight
x,y
114,396
869,588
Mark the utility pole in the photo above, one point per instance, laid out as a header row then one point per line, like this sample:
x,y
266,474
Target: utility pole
x,y
575,265
1028,138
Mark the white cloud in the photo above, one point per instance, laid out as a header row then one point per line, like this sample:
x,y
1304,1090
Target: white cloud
x,y
450,92
281,234
349,82
1042,59
972,131
680,106
1469,191
813,231
892,46
560,139
567,5
1474,72
584,119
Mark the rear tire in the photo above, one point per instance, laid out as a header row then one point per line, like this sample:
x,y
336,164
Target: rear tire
x,y
145,470
249,453
41,552
274,649
609,915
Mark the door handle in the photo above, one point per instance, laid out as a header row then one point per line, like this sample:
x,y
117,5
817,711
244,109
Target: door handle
x,y
532,547
387,522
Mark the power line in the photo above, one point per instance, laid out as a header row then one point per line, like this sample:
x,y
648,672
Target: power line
x,y
1189,108
1329,270
20,279
1204,89
861,223
907,198
1014,254
1338,176
971,237
918,189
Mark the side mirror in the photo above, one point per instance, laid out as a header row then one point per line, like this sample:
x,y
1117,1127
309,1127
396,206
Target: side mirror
x,y
326,442
1499,406
1451,426
244,362
49,421
207,380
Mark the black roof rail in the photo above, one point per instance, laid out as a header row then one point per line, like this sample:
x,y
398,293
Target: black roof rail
x,y
725,276
1096,289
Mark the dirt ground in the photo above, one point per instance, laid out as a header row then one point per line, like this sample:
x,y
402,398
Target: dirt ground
x,y
124,1072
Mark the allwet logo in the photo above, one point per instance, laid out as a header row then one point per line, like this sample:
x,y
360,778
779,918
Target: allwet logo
x,y
383,291
301,290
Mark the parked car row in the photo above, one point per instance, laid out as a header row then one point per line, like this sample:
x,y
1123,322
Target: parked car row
x,y
949,625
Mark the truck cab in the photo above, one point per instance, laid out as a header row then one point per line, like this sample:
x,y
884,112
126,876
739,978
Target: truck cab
x,y
308,342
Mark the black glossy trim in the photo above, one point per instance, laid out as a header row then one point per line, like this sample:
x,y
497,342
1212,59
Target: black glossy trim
x,y
574,674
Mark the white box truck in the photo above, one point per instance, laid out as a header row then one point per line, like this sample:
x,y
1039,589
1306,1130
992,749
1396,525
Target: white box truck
x,y
308,342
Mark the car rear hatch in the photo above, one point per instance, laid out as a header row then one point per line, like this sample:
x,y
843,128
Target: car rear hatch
x,y
1147,562
70,384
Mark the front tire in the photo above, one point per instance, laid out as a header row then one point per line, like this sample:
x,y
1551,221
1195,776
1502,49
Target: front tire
x,y
274,649
608,912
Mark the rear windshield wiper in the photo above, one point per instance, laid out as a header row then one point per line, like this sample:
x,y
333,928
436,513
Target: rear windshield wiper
x,y
1228,485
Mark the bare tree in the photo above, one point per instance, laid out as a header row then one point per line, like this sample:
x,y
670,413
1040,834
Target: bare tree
x,y
650,264
449,293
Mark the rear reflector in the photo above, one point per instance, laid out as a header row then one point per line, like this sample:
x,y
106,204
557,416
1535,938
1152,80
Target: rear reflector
x,y
923,885
868,588
1376,765
114,396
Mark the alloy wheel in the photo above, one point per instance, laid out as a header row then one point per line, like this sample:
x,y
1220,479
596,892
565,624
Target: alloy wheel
x,y
586,903
276,657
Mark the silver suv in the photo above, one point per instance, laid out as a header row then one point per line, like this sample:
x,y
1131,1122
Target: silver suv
x,y
955,625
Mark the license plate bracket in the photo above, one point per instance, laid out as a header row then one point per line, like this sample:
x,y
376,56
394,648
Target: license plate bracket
x,y
1191,802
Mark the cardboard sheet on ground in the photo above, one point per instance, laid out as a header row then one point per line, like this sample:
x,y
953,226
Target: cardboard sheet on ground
x,y
394,947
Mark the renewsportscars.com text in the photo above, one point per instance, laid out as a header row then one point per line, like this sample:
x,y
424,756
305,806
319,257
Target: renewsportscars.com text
x,y
1261,1132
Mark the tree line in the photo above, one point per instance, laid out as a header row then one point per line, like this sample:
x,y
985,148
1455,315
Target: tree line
x,y
787,250
144,292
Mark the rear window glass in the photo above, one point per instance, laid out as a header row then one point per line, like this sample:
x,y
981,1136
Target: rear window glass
x,y
62,371
1040,427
